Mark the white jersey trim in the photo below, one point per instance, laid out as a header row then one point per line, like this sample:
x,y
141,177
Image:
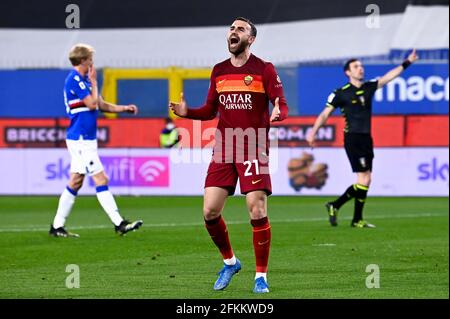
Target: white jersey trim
x,y
78,110
74,101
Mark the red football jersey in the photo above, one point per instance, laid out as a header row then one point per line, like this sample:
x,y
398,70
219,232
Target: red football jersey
x,y
241,96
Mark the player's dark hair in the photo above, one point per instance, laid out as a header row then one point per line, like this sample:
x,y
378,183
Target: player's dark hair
x,y
347,64
253,32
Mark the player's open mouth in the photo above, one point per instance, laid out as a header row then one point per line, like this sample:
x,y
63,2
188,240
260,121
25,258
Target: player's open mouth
x,y
234,40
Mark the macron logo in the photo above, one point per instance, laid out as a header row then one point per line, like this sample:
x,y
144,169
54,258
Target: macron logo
x,y
415,89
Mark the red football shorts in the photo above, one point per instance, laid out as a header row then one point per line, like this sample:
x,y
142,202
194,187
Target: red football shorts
x,y
253,175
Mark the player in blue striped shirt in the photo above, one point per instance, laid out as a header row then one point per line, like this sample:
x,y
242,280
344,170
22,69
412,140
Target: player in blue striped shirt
x,y
82,105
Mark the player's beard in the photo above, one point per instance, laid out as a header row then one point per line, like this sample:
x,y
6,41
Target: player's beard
x,y
239,48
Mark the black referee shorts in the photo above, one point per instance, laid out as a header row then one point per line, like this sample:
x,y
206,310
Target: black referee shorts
x,y
359,149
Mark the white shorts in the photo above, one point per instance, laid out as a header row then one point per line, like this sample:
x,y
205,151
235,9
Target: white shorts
x,y
85,159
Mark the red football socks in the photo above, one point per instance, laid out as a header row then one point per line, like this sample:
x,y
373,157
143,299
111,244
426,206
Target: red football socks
x,y
261,242
219,234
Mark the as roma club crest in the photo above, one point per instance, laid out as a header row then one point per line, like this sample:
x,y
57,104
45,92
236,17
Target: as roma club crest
x,y
248,80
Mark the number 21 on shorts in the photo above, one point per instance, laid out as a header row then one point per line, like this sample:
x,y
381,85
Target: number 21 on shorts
x,y
249,166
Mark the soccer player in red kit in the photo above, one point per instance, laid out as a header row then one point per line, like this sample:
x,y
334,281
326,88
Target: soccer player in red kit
x,y
240,90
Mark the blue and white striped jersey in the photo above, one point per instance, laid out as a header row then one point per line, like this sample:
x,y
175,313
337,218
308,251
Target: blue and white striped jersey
x,y
83,122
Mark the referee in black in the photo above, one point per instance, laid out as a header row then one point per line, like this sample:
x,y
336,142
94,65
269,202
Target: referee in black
x,y
355,101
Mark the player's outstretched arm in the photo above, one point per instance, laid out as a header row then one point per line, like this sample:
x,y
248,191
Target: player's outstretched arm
x,y
114,108
392,74
280,110
204,113
274,90
276,111
321,120
179,109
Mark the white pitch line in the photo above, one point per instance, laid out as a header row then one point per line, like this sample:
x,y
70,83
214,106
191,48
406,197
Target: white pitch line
x,y
41,228
325,245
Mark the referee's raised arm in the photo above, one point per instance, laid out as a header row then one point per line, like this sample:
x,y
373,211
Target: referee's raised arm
x,y
392,74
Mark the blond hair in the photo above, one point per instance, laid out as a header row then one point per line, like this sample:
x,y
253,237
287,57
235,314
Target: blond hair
x,y
80,52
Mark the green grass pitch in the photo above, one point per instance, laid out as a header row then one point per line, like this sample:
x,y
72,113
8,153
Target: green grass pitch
x,y
172,256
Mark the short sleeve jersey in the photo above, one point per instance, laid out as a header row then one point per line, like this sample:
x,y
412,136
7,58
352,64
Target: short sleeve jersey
x,y
241,96
355,105
83,122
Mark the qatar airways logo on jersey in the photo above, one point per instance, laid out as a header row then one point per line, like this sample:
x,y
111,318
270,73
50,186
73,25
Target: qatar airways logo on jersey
x,y
236,101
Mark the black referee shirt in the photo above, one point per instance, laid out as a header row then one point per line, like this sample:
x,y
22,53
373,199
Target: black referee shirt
x,y
355,104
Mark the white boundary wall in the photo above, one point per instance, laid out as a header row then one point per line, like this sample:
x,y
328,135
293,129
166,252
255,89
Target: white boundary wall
x,y
420,27
397,171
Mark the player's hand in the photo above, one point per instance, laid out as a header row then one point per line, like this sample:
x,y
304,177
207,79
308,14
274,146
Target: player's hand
x,y
179,109
131,108
311,139
92,74
413,57
276,111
